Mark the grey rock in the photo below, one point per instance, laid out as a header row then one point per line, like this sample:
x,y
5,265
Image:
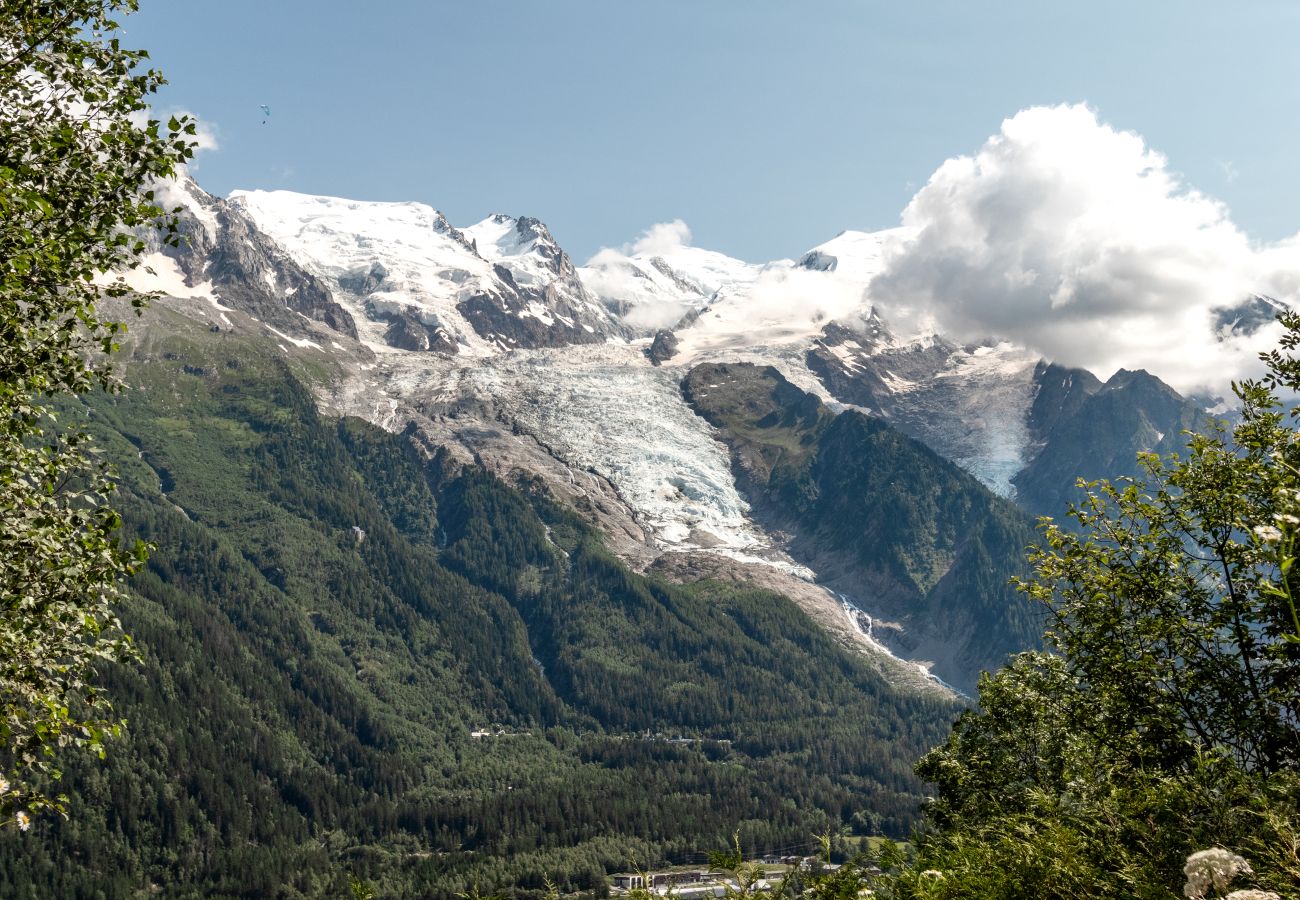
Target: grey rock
x,y
248,270
663,348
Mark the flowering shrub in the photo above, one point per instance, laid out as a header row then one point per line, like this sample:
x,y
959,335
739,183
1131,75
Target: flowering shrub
x,y
1213,868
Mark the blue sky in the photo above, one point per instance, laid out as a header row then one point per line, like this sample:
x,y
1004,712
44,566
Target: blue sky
x,y
766,126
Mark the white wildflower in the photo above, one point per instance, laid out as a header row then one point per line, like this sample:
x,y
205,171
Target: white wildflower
x,y
1253,894
1215,868
4,785
932,873
24,820
1286,519
1267,533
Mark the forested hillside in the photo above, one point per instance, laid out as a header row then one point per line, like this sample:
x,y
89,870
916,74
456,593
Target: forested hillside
x,y
880,515
328,615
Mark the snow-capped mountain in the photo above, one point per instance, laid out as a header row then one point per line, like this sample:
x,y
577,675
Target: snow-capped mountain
x,y
853,255
489,342
228,262
659,288
416,282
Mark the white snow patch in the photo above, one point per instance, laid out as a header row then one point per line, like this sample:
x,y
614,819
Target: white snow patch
x,y
168,279
297,342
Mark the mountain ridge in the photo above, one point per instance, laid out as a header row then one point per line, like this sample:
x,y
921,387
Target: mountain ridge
x,y
599,416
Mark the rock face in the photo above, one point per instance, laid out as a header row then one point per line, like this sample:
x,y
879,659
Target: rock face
x,y
843,358
414,281
247,271
406,332
363,280
662,348
1086,429
1248,316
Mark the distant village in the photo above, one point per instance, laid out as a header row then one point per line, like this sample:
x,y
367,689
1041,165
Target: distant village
x,y
694,883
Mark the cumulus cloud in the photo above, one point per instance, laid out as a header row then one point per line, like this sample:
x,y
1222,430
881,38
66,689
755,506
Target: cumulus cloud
x,y
655,241
645,297
658,239
1077,240
664,237
205,134
784,304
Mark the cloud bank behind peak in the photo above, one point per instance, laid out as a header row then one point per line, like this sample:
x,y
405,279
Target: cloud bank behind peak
x,y
1078,240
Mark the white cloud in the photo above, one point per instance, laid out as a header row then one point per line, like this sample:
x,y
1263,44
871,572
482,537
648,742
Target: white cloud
x,y
205,133
665,237
204,137
783,304
646,298
1077,240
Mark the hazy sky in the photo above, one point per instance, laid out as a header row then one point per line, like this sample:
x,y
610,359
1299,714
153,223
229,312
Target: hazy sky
x,y
766,126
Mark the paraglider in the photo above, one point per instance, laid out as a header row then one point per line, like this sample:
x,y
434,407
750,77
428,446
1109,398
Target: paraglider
x,y
266,113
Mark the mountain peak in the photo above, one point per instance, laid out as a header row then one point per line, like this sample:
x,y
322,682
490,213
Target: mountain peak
x,y
501,284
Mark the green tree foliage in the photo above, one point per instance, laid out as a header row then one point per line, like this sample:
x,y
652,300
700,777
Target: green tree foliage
x,y
77,154
1166,719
